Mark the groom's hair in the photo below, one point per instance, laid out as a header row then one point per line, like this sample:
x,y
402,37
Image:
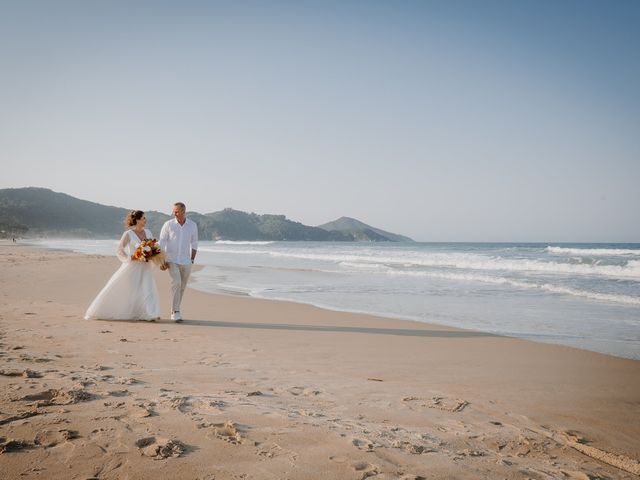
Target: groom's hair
x,y
181,205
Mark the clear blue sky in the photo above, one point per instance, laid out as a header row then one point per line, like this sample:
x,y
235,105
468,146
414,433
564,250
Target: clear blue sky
x,y
444,121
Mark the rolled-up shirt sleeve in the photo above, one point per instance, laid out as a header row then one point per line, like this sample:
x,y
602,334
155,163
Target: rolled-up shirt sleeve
x,y
194,237
164,237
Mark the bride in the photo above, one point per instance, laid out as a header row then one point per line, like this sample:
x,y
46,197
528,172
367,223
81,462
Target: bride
x,y
131,293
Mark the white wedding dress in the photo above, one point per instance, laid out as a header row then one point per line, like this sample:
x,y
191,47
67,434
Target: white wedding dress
x,y
131,293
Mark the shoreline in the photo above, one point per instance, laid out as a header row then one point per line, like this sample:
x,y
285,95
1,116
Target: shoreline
x,y
328,308
275,389
387,316
590,344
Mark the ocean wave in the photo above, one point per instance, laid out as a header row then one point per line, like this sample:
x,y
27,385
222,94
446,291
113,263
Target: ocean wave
x,y
460,261
547,287
241,242
85,246
592,251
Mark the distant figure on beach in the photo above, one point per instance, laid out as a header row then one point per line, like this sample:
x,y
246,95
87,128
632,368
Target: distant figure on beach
x,y
14,239
131,293
179,241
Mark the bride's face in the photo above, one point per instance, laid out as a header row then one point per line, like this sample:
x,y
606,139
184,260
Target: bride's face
x,y
142,222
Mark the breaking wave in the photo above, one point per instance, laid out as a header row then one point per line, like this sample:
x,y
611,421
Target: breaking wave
x,y
592,251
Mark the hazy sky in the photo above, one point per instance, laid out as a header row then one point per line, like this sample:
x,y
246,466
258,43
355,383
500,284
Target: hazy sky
x,y
441,120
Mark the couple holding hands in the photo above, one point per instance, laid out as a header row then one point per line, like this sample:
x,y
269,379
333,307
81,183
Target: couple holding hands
x,y
131,293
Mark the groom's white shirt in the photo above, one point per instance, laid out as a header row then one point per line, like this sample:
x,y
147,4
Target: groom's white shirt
x,y
177,240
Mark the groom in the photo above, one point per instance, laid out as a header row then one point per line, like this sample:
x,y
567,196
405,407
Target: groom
x,y
179,240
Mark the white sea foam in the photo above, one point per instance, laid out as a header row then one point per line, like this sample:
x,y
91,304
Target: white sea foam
x,y
462,261
370,257
87,246
593,251
238,242
473,277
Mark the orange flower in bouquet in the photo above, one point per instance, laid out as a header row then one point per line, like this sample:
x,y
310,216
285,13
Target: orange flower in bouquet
x,y
147,250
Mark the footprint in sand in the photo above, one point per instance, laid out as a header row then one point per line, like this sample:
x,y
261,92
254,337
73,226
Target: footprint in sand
x,y
19,416
269,450
441,403
51,438
160,448
197,406
127,381
273,450
364,444
338,458
59,397
523,446
447,404
26,373
142,409
228,431
98,368
307,413
365,469
118,393
412,448
471,453
28,358
210,361
307,392
8,446
182,404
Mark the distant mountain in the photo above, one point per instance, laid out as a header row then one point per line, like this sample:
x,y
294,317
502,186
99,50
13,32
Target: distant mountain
x,y
362,232
230,224
42,212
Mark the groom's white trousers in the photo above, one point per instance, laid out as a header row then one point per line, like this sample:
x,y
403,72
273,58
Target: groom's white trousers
x,y
179,276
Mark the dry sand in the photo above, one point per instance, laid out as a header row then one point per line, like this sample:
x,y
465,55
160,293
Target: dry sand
x,y
253,389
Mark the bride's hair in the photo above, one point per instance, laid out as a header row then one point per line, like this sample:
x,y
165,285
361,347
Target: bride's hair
x,y
133,217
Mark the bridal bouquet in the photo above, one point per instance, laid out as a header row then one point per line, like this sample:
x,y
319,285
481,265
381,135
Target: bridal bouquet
x,y
147,250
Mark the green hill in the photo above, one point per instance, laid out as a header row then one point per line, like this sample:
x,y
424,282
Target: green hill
x,y
40,211
230,224
36,212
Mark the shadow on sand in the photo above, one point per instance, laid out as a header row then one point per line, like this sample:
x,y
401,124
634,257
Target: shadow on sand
x,y
338,329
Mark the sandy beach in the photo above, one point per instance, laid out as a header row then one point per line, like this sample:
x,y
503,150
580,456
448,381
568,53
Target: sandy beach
x,y
254,389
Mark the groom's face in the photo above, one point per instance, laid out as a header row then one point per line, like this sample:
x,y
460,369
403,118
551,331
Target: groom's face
x,y
179,213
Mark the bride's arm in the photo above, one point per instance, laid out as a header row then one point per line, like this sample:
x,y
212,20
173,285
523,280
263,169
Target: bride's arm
x,y
120,252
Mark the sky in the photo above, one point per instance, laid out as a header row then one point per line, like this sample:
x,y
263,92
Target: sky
x,y
441,120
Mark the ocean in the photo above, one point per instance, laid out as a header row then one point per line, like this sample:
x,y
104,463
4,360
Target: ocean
x,y
581,295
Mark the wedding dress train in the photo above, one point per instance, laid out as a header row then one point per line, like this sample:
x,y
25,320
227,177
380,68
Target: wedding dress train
x,y
131,293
